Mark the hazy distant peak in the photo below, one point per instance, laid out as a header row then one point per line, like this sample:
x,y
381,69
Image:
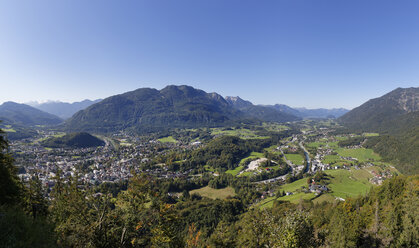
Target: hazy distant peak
x,y
64,109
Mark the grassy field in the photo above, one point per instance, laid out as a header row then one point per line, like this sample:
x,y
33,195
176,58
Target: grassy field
x,y
324,198
362,154
343,183
266,203
331,159
214,193
57,135
246,174
253,155
316,144
297,159
274,127
235,171
295,198
370,134
168,139
9,130
349,183
292,187
241,133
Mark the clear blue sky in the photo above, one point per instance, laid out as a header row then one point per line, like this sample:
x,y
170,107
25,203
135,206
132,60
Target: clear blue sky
x,y
312,53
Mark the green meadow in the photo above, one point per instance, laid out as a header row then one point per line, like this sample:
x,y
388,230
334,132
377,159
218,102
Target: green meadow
x,y
235,171
297,159
168,139
240,132
362,154
214,193
253,156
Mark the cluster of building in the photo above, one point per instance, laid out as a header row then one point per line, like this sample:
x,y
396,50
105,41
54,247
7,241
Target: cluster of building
x,y
91,165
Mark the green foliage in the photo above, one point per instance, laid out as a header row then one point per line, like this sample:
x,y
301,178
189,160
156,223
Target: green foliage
x,y
398,127
148,110
272,229
17,229
25,115
10,187
224,152
73,140
400,149
351,141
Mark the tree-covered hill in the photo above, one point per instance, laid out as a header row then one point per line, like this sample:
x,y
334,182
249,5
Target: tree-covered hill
x,y
25,115
396,116
377,114
74,140
148,109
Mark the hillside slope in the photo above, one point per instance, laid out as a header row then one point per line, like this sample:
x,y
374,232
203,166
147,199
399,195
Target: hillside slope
x,y
260,112
22,114
377,114
148,109
396,117
74,140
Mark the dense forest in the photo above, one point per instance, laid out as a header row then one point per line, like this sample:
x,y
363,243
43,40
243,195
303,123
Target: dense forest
x,y
142,213
74,140
395,116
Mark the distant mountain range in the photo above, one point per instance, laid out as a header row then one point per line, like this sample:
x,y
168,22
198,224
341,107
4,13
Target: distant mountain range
x,y
260,112
396,116
25,115
305,113
146,109
63,110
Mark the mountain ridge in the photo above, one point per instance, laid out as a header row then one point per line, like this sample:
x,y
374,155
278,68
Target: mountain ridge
x,y
395,116
22,114
147,109
259,111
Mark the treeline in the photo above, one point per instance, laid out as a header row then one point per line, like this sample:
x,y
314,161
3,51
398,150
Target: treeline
x,y
354,141
142,213
400,149
398,142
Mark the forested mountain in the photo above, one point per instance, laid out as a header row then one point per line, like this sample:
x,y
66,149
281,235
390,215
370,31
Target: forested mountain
x,y
260,112
74,140
64,110
396,116
377,114
149,109
22,114
146,109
